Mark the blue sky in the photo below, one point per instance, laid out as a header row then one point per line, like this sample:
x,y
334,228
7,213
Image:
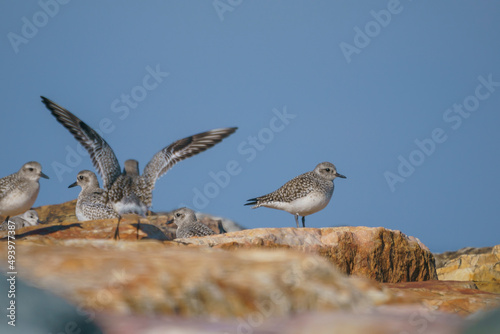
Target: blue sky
x,y
403,97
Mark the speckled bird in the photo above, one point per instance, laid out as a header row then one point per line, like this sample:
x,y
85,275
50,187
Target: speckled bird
x,y
91,203
128,191
188,226
303,195
29,218
18,191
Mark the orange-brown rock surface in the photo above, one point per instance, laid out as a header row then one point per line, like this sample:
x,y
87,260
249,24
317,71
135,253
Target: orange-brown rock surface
x,y
253,281
148,277
480,265
377,253
462,298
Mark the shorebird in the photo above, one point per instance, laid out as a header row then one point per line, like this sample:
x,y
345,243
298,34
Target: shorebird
x,y
19,191
29,218
188,226
303,195
128,191
91,203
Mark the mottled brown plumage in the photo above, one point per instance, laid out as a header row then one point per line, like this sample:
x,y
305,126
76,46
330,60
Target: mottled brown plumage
x,y
91,203
18,191
188,226
303,195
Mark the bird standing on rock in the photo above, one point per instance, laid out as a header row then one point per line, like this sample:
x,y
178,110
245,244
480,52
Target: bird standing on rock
x,y
188,226
303,195
18,191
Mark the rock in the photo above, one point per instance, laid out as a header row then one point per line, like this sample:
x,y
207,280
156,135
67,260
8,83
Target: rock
x,y
462,298
150,277
481,266
59,221
376,253
443,258
56,214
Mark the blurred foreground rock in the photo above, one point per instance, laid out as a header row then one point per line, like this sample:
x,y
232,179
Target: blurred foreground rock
x,y
478,265
149,277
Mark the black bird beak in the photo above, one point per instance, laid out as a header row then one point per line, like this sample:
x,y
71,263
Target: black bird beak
x,y
340,175
73,185
43,175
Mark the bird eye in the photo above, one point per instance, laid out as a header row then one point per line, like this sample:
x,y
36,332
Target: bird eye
x,y
81,177
30,169
327,169
177,214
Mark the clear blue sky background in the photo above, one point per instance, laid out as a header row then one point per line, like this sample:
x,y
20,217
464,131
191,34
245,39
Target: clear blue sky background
x,y
233,66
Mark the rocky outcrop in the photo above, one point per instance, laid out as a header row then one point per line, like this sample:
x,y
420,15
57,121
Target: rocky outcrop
x,y
149,277
270,280
65,213
377,253
480,265
443,258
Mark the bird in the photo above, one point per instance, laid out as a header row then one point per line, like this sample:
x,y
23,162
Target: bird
x,y
18,191
303,195
128,191
91,203
188,226
29,218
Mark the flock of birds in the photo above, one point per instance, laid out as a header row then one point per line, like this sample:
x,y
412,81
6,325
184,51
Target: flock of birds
x,y
129,192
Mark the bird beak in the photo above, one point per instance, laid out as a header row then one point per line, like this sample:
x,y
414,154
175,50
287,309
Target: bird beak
x,y
340,175
73,185
43,175
170,221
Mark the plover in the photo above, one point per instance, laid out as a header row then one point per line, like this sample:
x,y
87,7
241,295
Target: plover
x,y
91,203
29,218
19,191
129,192
188,226
303,195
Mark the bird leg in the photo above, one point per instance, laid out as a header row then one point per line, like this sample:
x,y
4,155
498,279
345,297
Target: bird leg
x,y
138,226
117,230
297,220
303,221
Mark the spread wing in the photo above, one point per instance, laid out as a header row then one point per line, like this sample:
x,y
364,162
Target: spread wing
x,y
103,157
182,149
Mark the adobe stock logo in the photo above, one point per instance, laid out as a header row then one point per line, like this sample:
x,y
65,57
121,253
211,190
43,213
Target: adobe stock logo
x,y
454,117
373,28
222,6
248,150
30,27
